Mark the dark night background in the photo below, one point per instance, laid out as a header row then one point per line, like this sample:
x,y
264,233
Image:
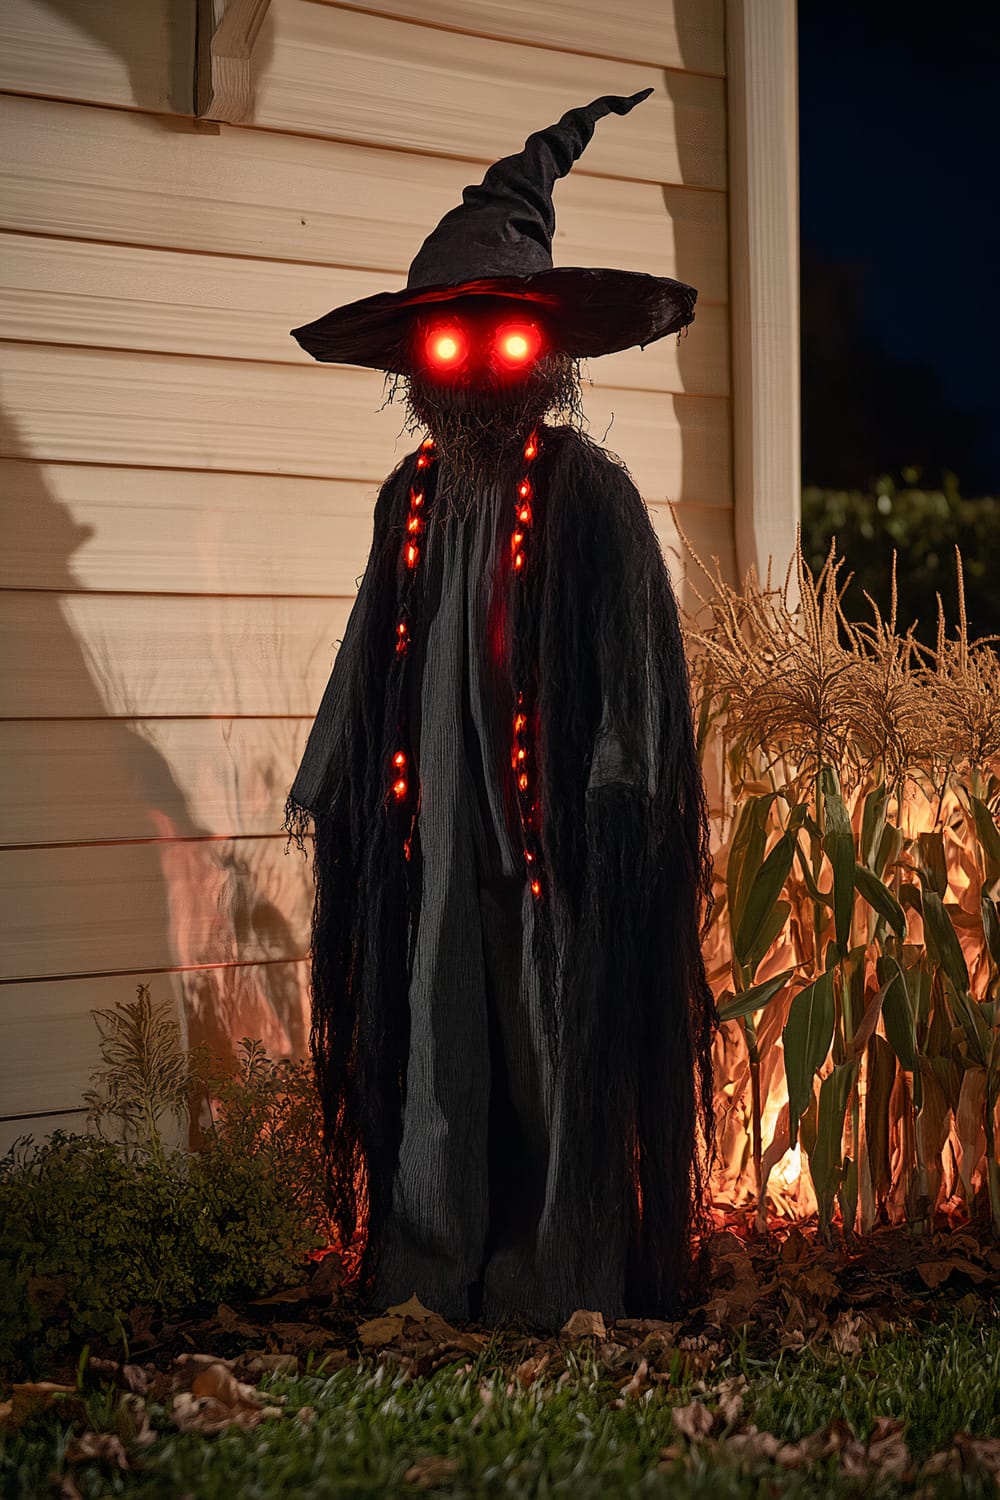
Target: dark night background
x,y
900,266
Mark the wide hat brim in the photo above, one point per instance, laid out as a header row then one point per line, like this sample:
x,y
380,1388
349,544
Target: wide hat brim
x,y
590,311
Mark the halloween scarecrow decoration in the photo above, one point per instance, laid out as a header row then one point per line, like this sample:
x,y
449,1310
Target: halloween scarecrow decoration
x,y
511,1023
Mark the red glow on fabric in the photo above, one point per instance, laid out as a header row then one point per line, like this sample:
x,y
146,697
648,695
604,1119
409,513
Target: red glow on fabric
x,y
411,556
399,759
399,787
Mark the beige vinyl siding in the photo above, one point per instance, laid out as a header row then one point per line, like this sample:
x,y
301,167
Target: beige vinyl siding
x,y
251,193
129,297
188,497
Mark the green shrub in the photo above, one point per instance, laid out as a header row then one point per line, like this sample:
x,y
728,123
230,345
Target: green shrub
x,y
91,1228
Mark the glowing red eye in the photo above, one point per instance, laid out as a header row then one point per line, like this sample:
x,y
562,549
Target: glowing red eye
x,y
518,343
446,346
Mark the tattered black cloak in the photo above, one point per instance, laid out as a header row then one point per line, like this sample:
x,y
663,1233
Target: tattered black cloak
x,y
511,1024
599,653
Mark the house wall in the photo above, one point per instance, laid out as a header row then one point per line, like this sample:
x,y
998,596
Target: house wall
x,y
188,496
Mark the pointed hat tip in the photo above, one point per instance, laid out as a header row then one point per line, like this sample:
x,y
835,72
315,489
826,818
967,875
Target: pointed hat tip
x,y
638,98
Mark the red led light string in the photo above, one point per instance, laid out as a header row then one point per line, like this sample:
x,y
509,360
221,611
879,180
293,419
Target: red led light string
x,y
521,748
399,784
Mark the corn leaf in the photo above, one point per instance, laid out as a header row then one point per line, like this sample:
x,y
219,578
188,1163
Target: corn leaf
x,y
814,891
826,1163
881,1077
807,1035
889,846
931,865
761,900
880,899
989,834
755,998
942,940
897,1013
873,823
991,926
746,855
838,844
863,1032
771,930
970,1014
847,1193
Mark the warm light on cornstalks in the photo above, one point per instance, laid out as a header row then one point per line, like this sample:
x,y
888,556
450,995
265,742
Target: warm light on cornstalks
x,y
857,844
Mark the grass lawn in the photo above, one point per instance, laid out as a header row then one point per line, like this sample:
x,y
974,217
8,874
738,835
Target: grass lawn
x,y
812,1422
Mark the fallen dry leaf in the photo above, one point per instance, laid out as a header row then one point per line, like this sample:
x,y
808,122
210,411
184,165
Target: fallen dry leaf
x,y
814,1446
44,1388
429,1470
969,1455
233,1322
812,1284
845,1333
187,1366
752,1445
296,1338
218,1400
794,1247
700,1353
327,1277
411,1308
584,1324
193,1413
280,1300
142,1433
634,1387
885,1453
730,1394
693,1421
647,1326
486,1398
933,1273
29,1397
377,1331
271,1364
64,1488
104,1447
219,1382
416,1329
528,1371
886,1450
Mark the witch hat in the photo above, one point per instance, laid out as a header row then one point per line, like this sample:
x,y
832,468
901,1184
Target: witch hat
x,y
498,242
